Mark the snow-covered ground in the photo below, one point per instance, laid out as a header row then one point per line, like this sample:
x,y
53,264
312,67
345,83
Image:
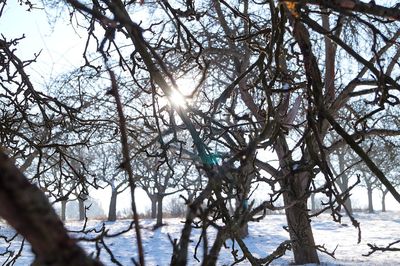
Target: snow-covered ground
x,y
265,236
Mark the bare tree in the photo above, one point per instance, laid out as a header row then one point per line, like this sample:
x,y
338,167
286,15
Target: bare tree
x,y
107,169
384,152
159,180
268,76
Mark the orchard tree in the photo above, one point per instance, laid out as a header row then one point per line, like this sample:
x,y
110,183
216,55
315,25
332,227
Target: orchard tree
x,y
266,75
106,168
344,170
159,179
265,101
29,121
384,152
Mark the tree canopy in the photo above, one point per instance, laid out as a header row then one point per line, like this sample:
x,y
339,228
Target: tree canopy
x,y
218,99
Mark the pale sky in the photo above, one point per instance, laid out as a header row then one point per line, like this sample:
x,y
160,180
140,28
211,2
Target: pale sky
x,y
62,49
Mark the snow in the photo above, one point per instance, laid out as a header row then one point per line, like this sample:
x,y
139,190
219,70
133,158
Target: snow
x,y
265,236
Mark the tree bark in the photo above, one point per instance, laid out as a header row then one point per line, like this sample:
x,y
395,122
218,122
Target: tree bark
x,y
299,226
384,193
29,212
295,183
153,207
159,211
344,185
370,203
313,204
81,202
343,181
112,210
212,257
244,229
348,205
63,210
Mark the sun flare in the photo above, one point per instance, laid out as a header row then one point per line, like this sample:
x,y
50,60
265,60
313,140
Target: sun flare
x,y
180,95
177,99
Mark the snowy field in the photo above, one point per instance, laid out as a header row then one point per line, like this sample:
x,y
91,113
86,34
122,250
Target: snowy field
x,y
265,236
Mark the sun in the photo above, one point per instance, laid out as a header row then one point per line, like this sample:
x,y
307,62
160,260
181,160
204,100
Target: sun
x,y
177,99
180,95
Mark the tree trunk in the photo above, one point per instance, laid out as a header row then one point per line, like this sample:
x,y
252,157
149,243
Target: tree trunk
x,y
348,205
299,226
81,202
344,185
301,234
343,181
28,210
313,205
370,204
384,193
63,210
153,207
242,193
112,210
244,229
159,211
295,183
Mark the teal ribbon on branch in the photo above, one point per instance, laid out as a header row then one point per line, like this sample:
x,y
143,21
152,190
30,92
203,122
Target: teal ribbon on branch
x,y
245,204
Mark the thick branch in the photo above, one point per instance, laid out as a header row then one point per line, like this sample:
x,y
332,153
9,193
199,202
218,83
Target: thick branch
x,y
370,8
363,155
27,210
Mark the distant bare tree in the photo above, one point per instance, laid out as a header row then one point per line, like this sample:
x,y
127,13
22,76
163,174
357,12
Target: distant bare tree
x,y
159,180
106,168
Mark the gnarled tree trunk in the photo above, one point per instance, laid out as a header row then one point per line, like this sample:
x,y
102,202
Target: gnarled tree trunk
x,y
29,212
244,229
300,231
295,182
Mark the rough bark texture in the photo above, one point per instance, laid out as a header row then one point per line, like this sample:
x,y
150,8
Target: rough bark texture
x,y
26,209
244,229
295,183
153,207
299,226
112,210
